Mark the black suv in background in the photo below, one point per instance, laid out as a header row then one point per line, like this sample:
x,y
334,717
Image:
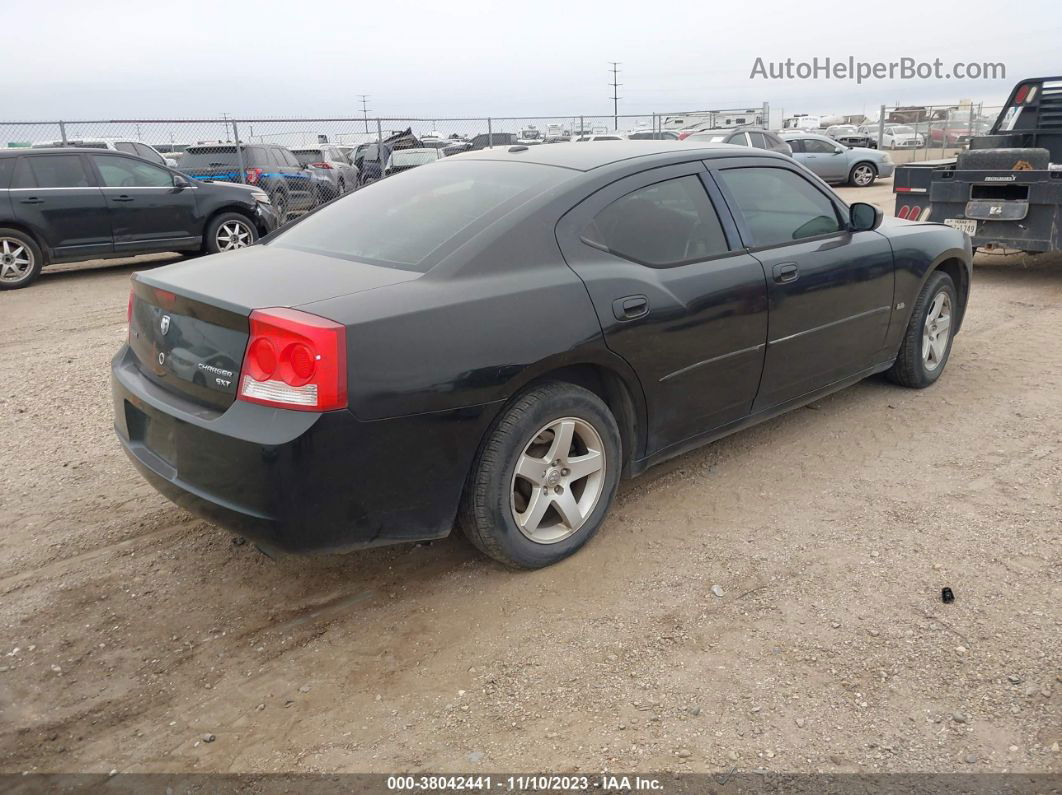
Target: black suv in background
x,y
290,185
59,205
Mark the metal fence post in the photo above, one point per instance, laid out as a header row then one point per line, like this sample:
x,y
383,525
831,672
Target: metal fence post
x,y
490,134
239,153
881,128
582,126
62,131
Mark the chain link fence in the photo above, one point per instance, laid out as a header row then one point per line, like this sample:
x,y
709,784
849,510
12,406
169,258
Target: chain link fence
x,y
930,132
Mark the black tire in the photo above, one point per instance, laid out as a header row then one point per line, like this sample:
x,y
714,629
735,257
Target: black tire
x,y
342,187
212,245
911,368
853,175
486,512
16,248
279,200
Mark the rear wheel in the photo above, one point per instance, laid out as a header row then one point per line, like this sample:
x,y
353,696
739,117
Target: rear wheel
x,y
230,231
545,478
862,175
927,342
20,259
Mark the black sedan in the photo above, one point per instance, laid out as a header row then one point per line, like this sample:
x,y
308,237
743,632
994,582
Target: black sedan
x,y
497,338
59,205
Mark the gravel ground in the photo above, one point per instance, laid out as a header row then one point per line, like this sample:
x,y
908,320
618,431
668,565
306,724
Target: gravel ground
x,y
769,602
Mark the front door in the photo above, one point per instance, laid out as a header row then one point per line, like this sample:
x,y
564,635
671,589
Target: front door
x,y
56,196
830,289
823,158
148,213
676,296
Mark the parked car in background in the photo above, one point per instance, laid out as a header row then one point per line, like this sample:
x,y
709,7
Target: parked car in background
x,y
171,151
369,159
601,136
837,164
849,135
434,142
759,139
60,205
653,135
405,159
126,145
390,373
340,175
896,136
291,186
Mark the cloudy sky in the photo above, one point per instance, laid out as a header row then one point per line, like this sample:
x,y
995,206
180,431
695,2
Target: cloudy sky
x,y
152,59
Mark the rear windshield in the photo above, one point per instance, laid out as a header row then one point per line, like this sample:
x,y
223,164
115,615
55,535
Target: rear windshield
x,y
408,220
307,156
902,130
213,157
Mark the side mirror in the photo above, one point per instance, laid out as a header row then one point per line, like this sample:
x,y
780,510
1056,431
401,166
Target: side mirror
x,y
864,217
180,183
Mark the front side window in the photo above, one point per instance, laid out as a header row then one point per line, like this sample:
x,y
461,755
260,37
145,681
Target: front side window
x,y
59,171
815,146
660,225
779,206
121,172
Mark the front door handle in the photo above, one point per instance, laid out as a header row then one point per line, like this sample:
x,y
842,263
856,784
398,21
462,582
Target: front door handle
x,y
785,272
33,200
122,198
630,307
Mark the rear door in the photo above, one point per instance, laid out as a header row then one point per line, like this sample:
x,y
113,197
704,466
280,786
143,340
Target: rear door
x,y
57,197
830,289
147,212
676,296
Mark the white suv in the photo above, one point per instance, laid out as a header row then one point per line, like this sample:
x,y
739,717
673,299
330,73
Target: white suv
x,y
130,147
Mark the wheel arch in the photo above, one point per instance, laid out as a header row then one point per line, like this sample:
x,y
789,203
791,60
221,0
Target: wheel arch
x,y
46,252
239,210
951,263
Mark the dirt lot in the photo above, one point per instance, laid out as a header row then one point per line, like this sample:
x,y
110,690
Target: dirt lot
x,y
132,631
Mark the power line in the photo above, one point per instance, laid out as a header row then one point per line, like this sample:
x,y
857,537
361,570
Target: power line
x,y
615,97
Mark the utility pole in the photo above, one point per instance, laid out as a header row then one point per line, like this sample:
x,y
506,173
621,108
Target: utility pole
x,y
365,109
615,98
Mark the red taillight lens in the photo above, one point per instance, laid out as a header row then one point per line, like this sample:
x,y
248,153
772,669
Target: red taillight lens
x,y
1020,96
129,308
295,360
322,165
684,135
253,175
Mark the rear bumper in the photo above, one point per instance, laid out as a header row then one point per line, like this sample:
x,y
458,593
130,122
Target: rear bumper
x,y
298,481
886,170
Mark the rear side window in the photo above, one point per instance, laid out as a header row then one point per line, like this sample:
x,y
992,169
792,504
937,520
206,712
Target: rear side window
x,y
125,146
7,165
412,219
148,153
123,172
779,206
739,140
59,171
660,225
757,140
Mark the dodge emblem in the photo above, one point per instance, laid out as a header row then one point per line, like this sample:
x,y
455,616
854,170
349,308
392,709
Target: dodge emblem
x,y
164,324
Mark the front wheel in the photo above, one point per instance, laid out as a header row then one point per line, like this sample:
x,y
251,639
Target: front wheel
x,y
927,342
862,175
20,259
230,231
545,478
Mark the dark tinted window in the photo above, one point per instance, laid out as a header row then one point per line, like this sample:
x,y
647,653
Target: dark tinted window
x,y
738,139
59,171
124,172
7,165
758,140
795,144
663,224
404,220
148,153
780,206
815,146
210,157
125,146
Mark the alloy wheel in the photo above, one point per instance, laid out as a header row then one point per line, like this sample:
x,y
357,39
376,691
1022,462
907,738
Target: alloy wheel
x,y
558,480
232,235
936,331
16,260
863,176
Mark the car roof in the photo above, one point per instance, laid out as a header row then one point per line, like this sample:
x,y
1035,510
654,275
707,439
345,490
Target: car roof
x,y
61,150
591,155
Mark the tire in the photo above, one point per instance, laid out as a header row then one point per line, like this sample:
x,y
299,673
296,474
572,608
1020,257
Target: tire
x,y
526,432
21,259
229,231
342,187
279,200
862,175
920,362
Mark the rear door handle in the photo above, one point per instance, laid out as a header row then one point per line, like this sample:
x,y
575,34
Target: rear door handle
x,y
33,200
122,198
786,272
630,307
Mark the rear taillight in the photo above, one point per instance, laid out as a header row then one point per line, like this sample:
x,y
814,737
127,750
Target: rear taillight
x,y
253,175
295,360
322,165
684,134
